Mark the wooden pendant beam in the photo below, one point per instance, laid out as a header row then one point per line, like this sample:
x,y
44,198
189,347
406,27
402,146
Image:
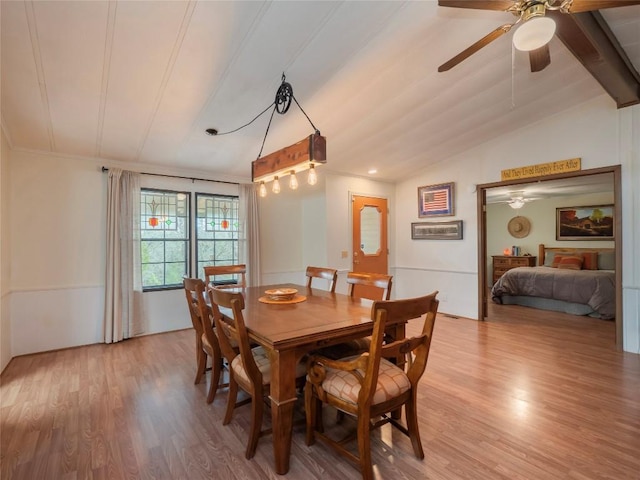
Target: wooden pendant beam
x,y
311,150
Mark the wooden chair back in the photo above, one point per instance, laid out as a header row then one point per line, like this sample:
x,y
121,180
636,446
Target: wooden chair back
x,y
381,282
194,292
239,271
236,331
330,274
415,349
206,339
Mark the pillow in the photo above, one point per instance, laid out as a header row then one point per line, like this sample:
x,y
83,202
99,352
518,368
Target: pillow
x,y
606,261
548,258
557,258
570,263
589,260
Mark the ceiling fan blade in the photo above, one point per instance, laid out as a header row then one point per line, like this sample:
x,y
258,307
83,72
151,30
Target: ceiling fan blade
x,y
483,42
502,5
578,6
539,58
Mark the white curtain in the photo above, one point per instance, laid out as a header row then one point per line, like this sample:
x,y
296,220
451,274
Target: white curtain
x,y
123,283
249,234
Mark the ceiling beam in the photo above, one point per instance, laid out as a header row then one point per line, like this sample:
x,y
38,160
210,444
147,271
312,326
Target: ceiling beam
x,y
592,42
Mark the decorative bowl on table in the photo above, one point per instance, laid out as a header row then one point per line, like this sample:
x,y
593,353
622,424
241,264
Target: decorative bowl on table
x,y
281,294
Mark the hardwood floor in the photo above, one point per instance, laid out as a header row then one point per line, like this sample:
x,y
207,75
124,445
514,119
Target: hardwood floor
x,y
527,394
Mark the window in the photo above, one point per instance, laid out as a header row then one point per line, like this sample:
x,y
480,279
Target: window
x,y
216,232
164,238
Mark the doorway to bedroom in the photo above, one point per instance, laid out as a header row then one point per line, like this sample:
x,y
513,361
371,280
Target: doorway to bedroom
x,y
516,217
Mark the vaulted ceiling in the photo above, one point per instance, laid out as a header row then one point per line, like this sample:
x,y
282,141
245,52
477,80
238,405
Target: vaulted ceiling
x,y
140,81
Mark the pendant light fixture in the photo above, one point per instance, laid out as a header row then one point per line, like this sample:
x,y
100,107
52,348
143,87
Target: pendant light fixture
x,y
296,158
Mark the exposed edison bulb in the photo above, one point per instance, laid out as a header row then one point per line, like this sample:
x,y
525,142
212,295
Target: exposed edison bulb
x,y
276,185
312,179
293,181
262,191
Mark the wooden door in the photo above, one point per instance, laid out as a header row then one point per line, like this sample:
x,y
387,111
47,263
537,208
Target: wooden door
x,y
370,247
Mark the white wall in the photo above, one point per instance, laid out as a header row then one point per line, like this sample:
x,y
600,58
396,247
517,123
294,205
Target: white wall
x,y
312,226
448,266
292,226
339,190
595,131
57,255
58,216
57,209
629,140
5,255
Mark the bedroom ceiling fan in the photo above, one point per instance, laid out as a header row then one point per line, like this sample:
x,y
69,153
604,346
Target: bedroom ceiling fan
x,y
534,28
518,200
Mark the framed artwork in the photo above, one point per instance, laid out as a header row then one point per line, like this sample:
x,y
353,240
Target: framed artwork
x,y
591,222
437,230
435,200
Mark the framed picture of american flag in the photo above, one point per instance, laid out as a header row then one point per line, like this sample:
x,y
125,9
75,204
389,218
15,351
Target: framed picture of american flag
x,y
435,200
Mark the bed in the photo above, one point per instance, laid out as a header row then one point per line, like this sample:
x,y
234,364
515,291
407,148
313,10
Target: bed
x,y
580,281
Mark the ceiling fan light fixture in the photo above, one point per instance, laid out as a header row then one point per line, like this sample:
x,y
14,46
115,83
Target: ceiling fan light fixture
x,y
516,203
534,33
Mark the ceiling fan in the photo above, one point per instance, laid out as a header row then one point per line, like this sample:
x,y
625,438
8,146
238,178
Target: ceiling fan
x,y
535,29
518,200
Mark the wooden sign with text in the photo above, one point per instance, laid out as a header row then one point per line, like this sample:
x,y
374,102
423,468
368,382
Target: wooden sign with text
x,y
542,169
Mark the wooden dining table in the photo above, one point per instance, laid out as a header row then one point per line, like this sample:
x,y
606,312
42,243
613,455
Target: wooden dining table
x,y
289,331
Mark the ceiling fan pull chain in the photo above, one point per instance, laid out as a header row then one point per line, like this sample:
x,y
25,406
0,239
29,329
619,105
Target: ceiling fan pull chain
x,y
513,76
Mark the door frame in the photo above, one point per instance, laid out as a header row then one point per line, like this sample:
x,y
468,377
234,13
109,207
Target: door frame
x,y
481,192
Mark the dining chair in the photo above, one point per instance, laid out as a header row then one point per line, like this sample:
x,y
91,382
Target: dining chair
x,y
249,369
381,291
330,274
369,386
206,340
378,280
238,271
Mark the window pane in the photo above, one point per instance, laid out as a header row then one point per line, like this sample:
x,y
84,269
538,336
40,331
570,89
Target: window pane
x,y
175,252
153,274
224,252
175,272
152,252
205,251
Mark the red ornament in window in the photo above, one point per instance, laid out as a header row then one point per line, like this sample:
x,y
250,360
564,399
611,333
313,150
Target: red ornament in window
x,y
153,221
225,224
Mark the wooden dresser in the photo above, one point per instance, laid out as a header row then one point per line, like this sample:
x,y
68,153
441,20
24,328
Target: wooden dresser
x,y
502,263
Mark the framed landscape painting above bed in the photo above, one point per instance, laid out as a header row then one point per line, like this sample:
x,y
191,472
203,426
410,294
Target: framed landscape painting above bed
x,y
585,223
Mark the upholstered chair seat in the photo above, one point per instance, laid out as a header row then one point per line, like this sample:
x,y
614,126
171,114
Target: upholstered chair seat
x,y
392,382
262,362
